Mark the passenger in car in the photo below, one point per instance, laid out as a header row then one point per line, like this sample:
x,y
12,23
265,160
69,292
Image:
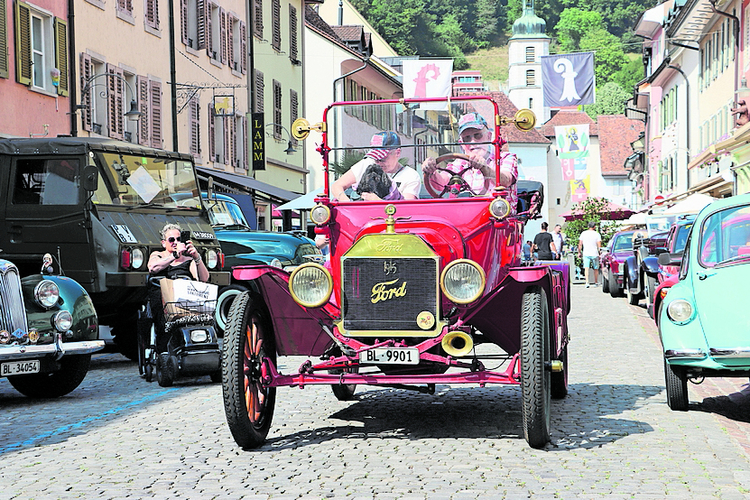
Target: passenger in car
x,y
385,151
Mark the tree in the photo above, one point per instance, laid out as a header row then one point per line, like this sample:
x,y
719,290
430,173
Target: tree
x,y
610,100
592,209
574,25
630,74
609,57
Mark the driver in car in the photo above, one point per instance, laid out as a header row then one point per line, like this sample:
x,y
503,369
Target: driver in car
x,y
402,182
480,176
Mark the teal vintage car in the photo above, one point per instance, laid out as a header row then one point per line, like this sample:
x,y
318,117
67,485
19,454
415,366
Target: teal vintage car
x,y
703,322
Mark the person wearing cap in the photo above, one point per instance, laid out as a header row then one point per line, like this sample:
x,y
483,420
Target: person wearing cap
x,y
589,244
385,150
473,130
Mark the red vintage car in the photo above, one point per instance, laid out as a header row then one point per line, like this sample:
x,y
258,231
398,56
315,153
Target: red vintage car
x,y
667,276
612,260
417,292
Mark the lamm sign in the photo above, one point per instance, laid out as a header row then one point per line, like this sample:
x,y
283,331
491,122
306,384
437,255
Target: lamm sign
x,y
259,143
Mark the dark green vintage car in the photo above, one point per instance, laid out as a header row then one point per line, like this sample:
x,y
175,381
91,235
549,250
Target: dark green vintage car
x,y
48,330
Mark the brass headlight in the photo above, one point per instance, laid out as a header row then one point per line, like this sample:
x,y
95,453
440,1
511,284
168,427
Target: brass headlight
x,y
499,208
46,293
311,285
462,281
320,214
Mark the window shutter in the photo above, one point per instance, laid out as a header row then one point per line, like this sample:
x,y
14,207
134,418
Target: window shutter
x,y
230,41
276,109
152,13
193,117
233,133
243,47
4,66
225,127
293,111
143,106
125,6
276,24
61,55
258,18
202,31
223,35
23,43
259,88
184,21
292,33
155,105
211,133
210,6
114,101
245,145
86,73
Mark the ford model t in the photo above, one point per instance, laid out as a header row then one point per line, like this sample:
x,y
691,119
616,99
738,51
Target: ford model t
x,y
421,289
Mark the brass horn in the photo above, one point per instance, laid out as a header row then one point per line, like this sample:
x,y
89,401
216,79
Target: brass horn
x,y
524,119
301,128
457,343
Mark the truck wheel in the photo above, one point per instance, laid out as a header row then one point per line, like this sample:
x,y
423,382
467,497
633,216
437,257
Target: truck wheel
x,y
605,282
677,392
535,379
72,371
224,304
248,345
614,288
559,388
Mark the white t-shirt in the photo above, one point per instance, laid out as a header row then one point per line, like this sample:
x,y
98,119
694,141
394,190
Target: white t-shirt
x,y
589,238
406,178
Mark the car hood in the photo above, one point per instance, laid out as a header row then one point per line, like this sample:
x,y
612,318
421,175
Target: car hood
x,y
721,303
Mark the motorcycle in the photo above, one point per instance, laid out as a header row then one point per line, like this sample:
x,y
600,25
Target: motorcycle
x,y
192,347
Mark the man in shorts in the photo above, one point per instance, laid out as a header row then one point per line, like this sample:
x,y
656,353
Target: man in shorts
x,y
589,244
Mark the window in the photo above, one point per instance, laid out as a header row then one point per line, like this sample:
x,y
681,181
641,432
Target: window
x,y
213,32
237,44
41,49
218,137
530,56
124,9
151,14
46,182
239,141
276,110
530,80
276,24
149,104
258,18
193,19
293,51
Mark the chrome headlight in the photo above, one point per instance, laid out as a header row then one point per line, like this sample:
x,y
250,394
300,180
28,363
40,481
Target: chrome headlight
x,y
137,258
46,293
311,285
680,311
199,336
462,281
499,208
320,214
276,263
62,320
212,259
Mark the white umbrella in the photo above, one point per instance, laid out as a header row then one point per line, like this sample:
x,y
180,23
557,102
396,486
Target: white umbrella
x,y
304,202
690,205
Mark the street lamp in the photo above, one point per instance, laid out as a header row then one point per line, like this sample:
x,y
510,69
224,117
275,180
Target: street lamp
x,y
289,148
133,114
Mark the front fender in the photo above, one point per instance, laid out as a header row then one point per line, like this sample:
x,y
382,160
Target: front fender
x,y
630,278
650,266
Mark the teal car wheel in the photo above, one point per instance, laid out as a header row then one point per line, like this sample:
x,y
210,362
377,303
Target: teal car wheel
x,y
677,392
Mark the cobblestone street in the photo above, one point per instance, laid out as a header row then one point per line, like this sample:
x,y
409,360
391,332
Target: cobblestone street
x,y
117,436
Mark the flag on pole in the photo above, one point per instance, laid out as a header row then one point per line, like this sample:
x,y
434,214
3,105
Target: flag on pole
x,y
568,79
579,189
573,150
427,77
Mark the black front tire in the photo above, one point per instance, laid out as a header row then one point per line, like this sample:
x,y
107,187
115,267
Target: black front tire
x,y
633,298
73,370
248,345
614,288
604,282
677,392
165,373
535,377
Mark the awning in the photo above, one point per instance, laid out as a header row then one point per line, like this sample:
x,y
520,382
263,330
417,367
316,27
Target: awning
x,y
245,184
304,202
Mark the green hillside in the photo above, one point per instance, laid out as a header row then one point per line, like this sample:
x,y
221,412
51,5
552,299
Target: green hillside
x,y
493,63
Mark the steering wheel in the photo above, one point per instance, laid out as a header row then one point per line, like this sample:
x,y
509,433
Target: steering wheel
x,y
457,184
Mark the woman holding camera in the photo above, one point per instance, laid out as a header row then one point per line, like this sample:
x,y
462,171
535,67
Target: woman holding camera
x,y
179,257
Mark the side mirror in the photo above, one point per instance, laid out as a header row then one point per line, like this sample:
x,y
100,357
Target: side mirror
x,y
90,178
670,259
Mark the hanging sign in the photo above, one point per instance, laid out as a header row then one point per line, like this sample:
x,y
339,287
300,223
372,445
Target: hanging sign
x,y
258,142
223,105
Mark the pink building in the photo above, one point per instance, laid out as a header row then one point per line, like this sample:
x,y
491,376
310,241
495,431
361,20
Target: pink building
x,y
34,75
466,81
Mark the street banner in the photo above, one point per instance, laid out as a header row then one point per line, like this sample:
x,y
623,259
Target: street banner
x,y
567,79
579,189
573,150
568,168
427,77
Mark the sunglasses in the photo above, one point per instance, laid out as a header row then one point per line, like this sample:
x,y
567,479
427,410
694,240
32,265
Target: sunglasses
x,y
172,239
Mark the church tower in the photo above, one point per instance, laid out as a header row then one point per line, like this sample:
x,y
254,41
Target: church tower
x,y
525,49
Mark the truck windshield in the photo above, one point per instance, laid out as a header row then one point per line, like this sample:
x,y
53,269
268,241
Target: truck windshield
x,y
135,181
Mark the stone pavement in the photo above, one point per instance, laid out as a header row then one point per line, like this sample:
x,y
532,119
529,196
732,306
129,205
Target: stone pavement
x,y
613,436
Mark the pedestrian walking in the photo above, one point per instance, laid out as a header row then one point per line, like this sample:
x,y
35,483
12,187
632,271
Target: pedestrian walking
x,y
544,245
589,244
559,240
527,251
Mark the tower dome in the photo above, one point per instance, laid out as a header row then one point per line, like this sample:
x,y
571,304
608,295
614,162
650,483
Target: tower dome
x,y
529,25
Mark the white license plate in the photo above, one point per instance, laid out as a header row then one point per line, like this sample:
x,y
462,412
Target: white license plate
x,y
390,356
19,368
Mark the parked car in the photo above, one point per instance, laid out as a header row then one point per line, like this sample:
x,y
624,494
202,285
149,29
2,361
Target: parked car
x,y
667,275
242,246
612,260
48,330
703,323
641,268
